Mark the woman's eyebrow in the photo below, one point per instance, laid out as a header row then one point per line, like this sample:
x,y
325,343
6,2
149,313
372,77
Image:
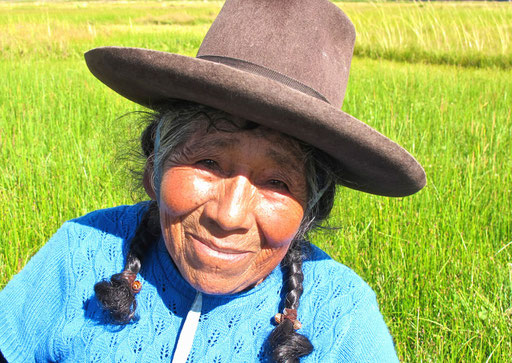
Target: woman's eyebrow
x,y
281,157
214,143
292,162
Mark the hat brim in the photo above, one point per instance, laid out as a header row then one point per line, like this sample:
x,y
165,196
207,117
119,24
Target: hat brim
x,y
370,162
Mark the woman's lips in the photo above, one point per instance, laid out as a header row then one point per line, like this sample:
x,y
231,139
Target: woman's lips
x,y
204,246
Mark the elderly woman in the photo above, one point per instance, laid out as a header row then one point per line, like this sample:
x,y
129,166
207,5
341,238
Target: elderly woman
x,y
244,151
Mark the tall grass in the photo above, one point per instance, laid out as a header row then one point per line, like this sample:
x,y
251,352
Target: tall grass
x,y
469,34
440,261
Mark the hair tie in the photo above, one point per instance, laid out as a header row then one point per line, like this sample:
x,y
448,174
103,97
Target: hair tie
x,y
135,285
290,314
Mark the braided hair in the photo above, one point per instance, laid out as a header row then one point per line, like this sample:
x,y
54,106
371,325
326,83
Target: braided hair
x,y
117,294
286,345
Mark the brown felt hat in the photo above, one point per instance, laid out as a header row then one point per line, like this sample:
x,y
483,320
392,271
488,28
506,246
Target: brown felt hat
x,y
281,63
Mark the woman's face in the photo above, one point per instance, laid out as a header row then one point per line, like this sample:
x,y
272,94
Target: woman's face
x,y
230,205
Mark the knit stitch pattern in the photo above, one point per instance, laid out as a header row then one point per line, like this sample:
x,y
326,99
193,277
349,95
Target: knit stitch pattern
x,y
48,312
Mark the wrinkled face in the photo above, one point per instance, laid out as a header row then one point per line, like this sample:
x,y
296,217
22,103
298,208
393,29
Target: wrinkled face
x,y
230,205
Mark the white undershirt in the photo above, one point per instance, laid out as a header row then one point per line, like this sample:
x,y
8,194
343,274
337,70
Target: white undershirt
x,y
189,331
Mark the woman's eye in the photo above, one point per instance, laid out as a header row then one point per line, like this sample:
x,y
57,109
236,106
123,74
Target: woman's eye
x,y
278,184
208,164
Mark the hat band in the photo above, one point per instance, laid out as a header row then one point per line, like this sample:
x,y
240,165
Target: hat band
x,y
265,72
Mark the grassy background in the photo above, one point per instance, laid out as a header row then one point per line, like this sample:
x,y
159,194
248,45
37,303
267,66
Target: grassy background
x,y
435,77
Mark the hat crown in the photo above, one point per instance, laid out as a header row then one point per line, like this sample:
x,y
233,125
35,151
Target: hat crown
x,y
309,41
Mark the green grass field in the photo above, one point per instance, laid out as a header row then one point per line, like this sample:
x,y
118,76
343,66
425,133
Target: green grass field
x,y
435,77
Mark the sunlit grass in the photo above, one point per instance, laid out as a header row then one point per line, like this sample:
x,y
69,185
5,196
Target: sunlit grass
x,y
439,260
469,34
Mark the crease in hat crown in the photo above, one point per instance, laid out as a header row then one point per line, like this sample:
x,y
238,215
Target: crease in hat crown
x,y
281,63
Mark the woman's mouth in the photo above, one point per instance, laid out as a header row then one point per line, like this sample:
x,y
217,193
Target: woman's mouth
x,y
211,249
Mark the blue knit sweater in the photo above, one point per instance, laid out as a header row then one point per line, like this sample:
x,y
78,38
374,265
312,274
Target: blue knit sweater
x,y
48,311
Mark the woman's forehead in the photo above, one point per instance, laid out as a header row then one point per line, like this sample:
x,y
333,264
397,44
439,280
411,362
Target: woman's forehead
x,y
281,148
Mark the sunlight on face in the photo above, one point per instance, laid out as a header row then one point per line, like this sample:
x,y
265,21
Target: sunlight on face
x,y
230,205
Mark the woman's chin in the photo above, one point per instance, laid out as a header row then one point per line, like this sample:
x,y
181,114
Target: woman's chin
x,y
211,289
214,284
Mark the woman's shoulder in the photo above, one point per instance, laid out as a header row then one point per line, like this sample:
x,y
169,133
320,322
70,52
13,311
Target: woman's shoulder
x,y
322,272
102,232
110,220
82,252
116,222
96,238
330,286
341,314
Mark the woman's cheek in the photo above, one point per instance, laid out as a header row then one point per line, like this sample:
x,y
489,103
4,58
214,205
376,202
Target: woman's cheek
x,y
280,222
182,190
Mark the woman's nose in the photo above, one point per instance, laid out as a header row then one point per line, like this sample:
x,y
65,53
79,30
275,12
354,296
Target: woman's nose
x,y
232,209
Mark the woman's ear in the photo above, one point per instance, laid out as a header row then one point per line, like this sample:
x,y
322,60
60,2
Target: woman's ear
x,y
149,187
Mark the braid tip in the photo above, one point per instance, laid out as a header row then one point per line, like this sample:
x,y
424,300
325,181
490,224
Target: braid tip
x,y
136,287
297,325
290,314
278,318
